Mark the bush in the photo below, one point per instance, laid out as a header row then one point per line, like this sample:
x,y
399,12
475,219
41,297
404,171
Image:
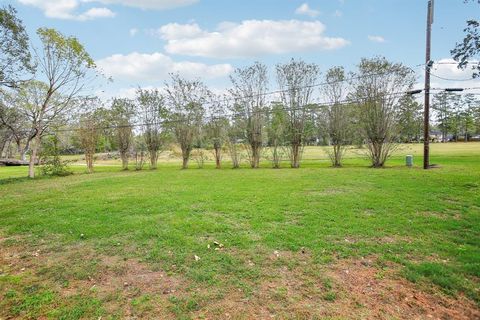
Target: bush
x,y
52,163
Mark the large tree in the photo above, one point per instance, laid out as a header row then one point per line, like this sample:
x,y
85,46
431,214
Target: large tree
x,y
377,86
468,49
153,113
186,101
64,64
296,80
249,92
13,121
338,115
15,66
15,57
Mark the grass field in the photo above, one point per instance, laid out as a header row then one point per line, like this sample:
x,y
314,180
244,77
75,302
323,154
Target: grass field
x,y
308,243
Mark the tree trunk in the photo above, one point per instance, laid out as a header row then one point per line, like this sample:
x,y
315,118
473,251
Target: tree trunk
x,y
22,151
33,156
124,157
2,146
185,163
153,159
89,160
218,156
295,161
255,161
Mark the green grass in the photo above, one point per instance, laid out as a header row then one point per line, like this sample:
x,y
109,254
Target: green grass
x,y
426,222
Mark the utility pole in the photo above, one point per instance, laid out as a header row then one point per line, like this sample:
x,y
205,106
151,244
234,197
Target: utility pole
x,y
428,65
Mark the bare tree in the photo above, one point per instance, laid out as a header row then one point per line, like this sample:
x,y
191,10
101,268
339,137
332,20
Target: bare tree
x,y
296,80
217,125
122,110
153,113
13,122
234,135
249,88
276,129
89,133
65,64
186,99
140,152
337,114
377,86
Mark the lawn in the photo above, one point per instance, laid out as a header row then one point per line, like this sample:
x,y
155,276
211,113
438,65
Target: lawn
x,y
308,243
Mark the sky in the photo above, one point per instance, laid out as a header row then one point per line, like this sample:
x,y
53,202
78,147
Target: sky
x,y
139,42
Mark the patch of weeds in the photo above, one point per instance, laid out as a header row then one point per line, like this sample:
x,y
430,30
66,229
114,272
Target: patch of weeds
x,y
327,283
181,306
142,305
75,269
32,302
471,185
280,294
441,275
330,296
78,307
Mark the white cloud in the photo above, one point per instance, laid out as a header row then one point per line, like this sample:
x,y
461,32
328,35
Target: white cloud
x,y
94,13
148,4
65,9
133,32
378,39
337,14
445,74
250,38
305,9
156,67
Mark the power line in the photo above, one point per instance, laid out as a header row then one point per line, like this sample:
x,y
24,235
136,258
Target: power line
x,y
233,116
450,79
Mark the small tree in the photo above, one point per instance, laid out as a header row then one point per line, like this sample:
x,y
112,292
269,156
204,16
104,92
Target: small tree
x,y
277,125
153,114
296,80
122,113
337,114
52,164
249,88
377,86
140,152
216,127
187,99
410,119
442,108
234,147
470,107
89,134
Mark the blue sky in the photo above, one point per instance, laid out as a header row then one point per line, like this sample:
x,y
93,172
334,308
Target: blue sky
x,y
138,42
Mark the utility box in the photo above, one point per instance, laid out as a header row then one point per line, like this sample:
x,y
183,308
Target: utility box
x,y
409,160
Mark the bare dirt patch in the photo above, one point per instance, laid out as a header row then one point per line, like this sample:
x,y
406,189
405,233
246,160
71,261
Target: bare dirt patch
x,y
370,293
291,286
127,288
294,288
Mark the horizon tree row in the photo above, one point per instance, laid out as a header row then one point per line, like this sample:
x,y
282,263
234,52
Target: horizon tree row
x,y
44,91
371,109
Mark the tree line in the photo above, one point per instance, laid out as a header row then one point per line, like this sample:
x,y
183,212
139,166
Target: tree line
x,y
44,98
